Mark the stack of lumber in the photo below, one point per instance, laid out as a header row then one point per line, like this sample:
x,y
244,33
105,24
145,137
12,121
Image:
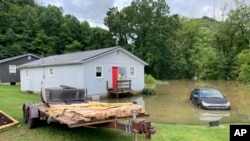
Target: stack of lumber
x,y
92,111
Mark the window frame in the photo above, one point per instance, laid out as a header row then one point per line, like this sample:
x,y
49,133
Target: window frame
x,y
26,74
12,69
132,73
51,72
101,72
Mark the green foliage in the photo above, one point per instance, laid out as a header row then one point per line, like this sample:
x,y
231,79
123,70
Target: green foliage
x,y
244,61
150,82
149,79
148,91
73,47
232,38
30,28
43,43
176,132
100,38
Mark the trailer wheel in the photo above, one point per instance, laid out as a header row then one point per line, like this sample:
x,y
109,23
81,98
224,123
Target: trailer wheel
x,y
32,122
25,118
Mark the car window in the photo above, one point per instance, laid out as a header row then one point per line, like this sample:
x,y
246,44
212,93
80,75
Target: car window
x,y
195,92
210,93
204,93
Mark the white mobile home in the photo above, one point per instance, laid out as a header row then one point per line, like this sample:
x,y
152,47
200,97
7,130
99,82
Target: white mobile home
x,y
88,69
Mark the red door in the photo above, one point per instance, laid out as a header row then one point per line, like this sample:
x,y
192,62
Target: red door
x,y
114,77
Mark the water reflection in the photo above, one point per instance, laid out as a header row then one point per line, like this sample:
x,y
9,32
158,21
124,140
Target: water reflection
x,y
212,115
171,104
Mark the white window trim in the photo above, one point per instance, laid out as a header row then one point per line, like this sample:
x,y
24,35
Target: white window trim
x,y
101,71
26,74
12,68
130,72
51,74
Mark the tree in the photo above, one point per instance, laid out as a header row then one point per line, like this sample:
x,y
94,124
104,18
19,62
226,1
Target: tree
x,y
146,29
116,23
43,44
73,47
85,35
26,27
243,60
50,19
100,38
8,15
232,38
69,31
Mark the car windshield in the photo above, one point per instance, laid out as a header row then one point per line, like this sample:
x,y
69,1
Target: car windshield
x,y
210,93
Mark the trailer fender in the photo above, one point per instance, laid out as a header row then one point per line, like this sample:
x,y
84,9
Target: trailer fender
x,y
25,107
33,109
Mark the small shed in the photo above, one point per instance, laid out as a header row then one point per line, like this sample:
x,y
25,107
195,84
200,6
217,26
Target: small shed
x,y
89,69
8,67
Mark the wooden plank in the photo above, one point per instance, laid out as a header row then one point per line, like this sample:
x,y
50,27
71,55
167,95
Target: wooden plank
x,y
96,111
7,126
123,87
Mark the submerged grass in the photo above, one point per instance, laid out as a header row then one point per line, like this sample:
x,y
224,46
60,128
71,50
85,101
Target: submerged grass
x,y
11,101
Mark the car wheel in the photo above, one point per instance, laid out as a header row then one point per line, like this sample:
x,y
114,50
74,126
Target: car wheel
x,y
199,105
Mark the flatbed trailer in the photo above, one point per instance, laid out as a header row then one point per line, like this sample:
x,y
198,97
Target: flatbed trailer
x,y
70,106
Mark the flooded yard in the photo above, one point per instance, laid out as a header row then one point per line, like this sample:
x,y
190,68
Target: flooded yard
x,y
171,104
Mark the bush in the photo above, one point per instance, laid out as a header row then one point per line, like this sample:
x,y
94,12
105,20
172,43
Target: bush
x,y
148,91
149,79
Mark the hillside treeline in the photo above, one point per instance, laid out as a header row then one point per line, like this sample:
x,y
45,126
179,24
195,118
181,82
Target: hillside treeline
x,y
29,28
175,47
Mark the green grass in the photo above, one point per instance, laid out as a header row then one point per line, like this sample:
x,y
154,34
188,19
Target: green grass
x,y
191,133
11,101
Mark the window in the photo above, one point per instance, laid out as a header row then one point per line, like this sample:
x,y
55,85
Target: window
x,y
99,71
132,72
51,72
12,68
26,74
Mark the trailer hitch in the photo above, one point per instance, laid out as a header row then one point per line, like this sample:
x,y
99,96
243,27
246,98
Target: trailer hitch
x,y
136,126
142,127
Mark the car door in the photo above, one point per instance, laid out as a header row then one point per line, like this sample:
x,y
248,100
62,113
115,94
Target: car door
x,y
195,95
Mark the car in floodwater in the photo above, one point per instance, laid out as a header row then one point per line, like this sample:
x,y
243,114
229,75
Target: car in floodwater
x,y
209,98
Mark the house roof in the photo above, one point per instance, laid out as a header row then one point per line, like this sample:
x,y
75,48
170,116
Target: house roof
x,y
17,57
78,57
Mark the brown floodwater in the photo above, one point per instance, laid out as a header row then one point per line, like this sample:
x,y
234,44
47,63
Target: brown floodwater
x,y
171,104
